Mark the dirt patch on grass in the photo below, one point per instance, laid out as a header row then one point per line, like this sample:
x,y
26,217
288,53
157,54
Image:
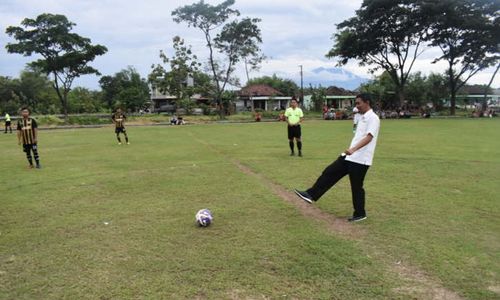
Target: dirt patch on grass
x,y
418,285
336,225
494,289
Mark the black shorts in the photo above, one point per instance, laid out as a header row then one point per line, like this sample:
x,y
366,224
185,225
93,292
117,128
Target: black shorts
x,y
7,123
28,147
120,129
294,132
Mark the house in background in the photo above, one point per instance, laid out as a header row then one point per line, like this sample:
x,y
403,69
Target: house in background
x,y
335,97
261,96
163,102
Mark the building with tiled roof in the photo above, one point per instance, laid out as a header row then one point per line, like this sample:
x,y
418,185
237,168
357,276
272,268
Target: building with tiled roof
x,y
261,96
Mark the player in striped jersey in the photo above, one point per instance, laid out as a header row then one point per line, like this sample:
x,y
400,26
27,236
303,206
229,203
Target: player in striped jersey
x,y
27,133
119,120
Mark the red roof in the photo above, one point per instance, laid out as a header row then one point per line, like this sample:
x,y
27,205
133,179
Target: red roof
x,y
257,90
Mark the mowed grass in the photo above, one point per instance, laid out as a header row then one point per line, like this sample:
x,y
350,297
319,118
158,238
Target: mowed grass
x,y
108,221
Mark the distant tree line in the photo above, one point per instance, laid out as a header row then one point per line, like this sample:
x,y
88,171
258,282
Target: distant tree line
x,y
125,89
391,35
384,35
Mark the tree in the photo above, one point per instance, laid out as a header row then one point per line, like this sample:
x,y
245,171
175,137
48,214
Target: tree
x,y
383,89
285,86
65,55
234,40
318,97
468,34
125,89
35,91
416,92
82,100
32,89
183,67
384,34
488,88
9,100
437,90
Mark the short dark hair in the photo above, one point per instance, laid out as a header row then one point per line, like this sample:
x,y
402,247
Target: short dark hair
x,y
26,108
365,98
293,98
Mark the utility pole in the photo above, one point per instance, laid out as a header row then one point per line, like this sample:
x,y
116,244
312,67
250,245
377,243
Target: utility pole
x,y
301,86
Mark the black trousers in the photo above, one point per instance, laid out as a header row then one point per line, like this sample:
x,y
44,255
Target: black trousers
x,y
7,125
336,171
28,148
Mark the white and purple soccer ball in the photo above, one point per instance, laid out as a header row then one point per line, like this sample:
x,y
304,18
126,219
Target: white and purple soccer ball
x,y
204,217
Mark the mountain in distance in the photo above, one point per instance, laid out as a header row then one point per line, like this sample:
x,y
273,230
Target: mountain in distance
x,y
332,77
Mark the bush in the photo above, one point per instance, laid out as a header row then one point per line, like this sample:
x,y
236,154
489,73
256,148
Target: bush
x,y
87,120
49,120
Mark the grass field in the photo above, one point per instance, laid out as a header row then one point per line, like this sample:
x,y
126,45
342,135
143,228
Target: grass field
x,y
102,221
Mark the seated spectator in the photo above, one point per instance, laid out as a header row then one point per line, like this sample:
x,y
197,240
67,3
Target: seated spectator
x,y
330,115
258,117
173,120
281,117
180,121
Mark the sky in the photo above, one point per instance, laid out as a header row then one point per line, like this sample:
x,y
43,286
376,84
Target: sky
x,y
294,32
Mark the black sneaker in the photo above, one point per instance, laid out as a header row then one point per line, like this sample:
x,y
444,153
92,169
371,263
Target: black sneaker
x,y
356,219
292,153
38,166
304,196
300,153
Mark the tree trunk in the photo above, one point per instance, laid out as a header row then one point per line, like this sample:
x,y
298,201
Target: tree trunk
x,y
485,104
220,104
453,98
401,98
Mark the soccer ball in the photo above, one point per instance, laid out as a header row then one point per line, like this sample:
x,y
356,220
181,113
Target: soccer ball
x,y
204,217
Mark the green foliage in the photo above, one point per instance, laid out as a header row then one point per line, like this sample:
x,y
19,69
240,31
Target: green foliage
x,y
50,120
228,41
87,120
416,90
125,89
437,89
385,35
82,100
419,91
9,99
183,66
32,89
468,34
382,89
318,97
65,55
286,86
186,104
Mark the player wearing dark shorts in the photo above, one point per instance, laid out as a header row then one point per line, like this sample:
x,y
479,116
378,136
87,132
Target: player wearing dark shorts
x,y
7,123
28,135
294,116
119,119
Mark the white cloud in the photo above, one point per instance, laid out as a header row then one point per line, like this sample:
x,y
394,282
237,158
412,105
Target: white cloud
x,y
295,32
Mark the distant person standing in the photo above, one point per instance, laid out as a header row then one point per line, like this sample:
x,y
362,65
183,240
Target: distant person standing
x,y
119,119
294,116
7,123
27,134
354,161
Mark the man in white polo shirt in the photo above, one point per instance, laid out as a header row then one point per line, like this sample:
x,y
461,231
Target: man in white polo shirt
x,y
354,161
